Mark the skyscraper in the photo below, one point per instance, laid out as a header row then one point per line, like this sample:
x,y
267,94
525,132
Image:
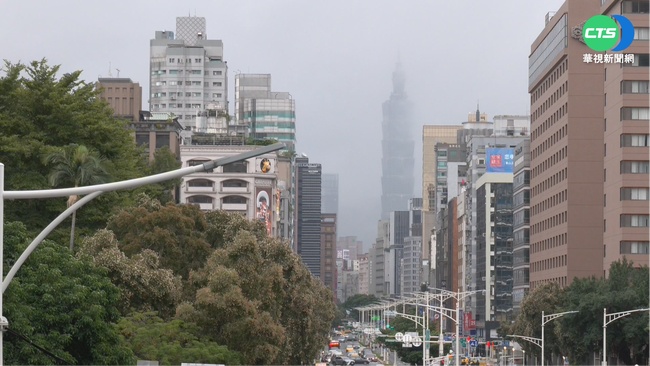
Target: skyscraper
x,y
397,179
307,226
188,72
330,193
266,114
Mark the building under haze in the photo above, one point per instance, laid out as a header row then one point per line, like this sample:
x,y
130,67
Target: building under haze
x,y
397,176
188,72
265,113
307,227
328,272
330,193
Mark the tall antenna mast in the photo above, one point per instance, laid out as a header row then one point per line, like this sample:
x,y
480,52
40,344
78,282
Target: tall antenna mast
x,y
118,72
110,75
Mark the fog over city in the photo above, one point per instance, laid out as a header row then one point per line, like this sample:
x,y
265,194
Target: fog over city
x,y
335,57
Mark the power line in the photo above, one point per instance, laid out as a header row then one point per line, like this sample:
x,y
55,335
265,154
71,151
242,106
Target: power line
x,y
59,360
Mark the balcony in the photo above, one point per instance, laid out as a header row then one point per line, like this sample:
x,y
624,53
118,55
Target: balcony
x,y
205,206
234,206
199,189
234,190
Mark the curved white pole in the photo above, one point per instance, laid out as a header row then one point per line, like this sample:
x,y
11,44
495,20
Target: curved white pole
x,y
133,183
35,243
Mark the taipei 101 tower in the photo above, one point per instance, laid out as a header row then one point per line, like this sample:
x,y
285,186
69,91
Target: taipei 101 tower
x,y
397,163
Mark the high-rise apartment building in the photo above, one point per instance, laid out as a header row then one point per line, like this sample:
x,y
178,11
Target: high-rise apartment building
x,y
307,227
566,151
397,180
626,142
351,244
328,251
379,284
330,193
364,275
521,225
123,95
188,72
265,113
494,251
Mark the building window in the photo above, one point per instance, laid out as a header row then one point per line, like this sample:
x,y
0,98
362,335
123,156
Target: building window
x,y
197,60
216,73
196,94
200,183
196,72
628,140
234,183
216,83
635,247
234,199
142,139
162,140
635,7
634,194
199,199
635,113
634,167
238,167
172,60
640,59
634,220
634,87
641,34
196,83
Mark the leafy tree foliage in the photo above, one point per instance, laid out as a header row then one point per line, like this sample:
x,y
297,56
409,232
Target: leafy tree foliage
x,y
173,342
547,298
164,161
579,335
62,304
259,299
40,112
357,301
144,286
75,166
175,232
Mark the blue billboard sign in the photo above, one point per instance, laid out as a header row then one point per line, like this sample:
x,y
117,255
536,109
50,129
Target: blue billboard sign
x,y
499,160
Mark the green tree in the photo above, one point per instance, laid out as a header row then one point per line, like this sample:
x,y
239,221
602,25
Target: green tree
x,y
75,166
164,161
548,298
41,111
144,286
173,342
175,232
64,305
356,301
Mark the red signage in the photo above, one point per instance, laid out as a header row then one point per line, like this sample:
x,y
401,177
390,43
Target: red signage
x,y
470,322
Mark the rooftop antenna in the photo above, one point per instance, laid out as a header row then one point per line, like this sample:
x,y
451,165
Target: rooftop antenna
x,y
118,72
110,75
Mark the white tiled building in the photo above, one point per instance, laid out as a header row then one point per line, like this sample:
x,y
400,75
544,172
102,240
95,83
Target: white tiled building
x,y
239,187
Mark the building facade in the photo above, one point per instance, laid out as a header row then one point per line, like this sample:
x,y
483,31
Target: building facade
x,y
188,71
431,136
364,275
330,193
494,251
398,164
566,152
265,113
154,131
307,226
123,95
328,251
626,169
521,225
241,187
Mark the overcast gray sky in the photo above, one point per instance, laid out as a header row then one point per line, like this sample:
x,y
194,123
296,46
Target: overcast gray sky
x,y
335,57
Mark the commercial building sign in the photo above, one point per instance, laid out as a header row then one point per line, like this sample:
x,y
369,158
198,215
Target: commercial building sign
x,y
499,160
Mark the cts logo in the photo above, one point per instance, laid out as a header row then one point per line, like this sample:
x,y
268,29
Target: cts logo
x,y
601,33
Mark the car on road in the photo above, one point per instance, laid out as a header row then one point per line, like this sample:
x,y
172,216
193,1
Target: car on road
x,y
361,361
343,361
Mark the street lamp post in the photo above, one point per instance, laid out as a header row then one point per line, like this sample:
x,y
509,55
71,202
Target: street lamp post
x,y
608,318
92,192
548,318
